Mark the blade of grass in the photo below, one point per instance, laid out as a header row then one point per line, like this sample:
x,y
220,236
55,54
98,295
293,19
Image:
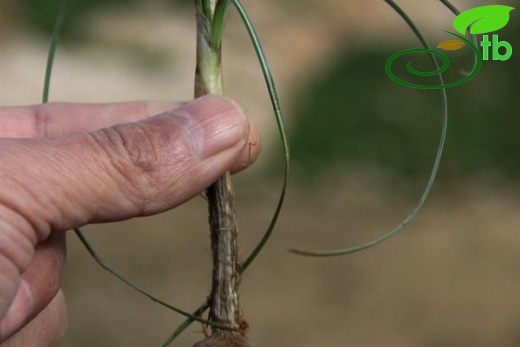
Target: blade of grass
x,y
433,174
275,102
185,324
110,270
206,6
450,6
55,38
217,23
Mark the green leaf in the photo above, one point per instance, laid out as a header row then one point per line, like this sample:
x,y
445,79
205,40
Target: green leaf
x,y
482,20
436,163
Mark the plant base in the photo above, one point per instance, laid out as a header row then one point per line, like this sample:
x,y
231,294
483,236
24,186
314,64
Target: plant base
x,y
225,340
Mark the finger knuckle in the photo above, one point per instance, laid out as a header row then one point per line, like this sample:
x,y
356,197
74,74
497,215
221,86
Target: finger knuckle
x,y
135,156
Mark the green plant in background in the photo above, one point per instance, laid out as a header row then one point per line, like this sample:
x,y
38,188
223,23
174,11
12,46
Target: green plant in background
x,y
41,15
481,137
433,175
394,136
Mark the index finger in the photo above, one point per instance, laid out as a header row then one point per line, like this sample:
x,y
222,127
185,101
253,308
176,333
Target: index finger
x,y
55,119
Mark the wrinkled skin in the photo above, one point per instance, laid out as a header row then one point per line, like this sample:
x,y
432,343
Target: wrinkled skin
x,y
63,166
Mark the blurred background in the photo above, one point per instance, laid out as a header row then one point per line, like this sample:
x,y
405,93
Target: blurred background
x,y
362,149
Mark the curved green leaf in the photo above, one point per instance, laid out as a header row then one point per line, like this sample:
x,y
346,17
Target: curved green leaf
x,y
436,164
483,19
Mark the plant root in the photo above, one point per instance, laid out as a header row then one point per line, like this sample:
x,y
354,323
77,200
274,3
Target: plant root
x,y
224,339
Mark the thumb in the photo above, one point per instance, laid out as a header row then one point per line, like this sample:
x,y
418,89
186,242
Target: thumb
x,y
116,173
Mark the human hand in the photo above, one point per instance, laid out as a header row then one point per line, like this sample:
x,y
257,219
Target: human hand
x,y
66,165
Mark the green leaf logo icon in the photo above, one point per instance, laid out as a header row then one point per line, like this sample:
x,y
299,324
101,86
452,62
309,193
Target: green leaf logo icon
x,y
482,20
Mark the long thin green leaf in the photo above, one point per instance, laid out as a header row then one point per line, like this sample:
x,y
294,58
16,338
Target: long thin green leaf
x,y
55,38
450,6
110,270
185,324
217,25
206,6
433,175
275,102
273,95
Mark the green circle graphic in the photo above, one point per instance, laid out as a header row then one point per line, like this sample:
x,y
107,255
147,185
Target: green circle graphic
x,y
444,67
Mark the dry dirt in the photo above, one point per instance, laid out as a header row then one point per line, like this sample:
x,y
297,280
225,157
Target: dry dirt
x,y
450,279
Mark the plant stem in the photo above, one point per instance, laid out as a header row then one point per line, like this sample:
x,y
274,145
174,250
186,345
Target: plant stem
x,y
223,300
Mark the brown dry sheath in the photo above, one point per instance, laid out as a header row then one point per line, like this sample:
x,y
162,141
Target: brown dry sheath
x,y
224,302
